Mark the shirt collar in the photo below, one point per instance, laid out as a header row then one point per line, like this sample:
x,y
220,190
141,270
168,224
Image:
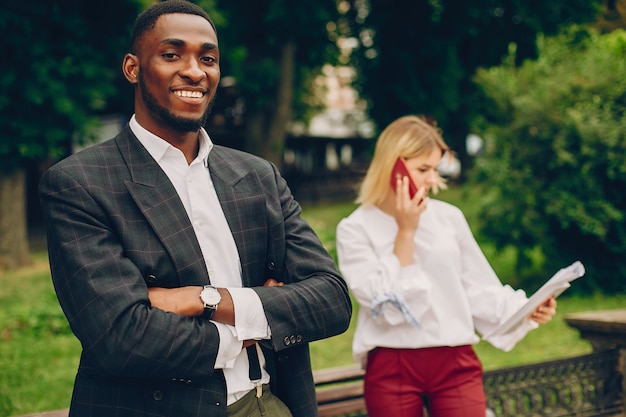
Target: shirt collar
x,y
158,147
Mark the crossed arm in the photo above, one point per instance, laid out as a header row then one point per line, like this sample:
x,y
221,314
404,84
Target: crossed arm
x,y
185,301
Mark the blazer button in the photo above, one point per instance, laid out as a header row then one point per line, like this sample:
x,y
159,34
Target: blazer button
x,y
299,338
151,278
292,339
271,265
287,341
157,395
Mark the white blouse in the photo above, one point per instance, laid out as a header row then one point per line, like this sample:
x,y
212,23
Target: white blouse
x,y
448,294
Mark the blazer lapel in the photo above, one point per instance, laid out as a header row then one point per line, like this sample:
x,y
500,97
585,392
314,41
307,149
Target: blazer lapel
x,y
247,222
156,197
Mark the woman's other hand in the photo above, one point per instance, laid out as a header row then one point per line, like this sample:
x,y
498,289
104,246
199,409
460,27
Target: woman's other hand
x,y
544,312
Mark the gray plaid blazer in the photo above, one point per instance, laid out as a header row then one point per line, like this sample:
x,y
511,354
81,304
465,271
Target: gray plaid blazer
x,y
116,226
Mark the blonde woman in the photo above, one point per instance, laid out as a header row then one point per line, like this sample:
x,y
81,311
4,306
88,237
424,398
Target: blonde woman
x,y
423,285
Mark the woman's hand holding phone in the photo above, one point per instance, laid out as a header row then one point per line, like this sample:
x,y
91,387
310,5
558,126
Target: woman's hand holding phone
x,y
410,203
410,200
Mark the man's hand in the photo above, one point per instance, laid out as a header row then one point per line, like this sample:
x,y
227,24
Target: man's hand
x,y
271,282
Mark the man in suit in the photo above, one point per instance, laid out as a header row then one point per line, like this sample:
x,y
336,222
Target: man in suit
x,y
179,263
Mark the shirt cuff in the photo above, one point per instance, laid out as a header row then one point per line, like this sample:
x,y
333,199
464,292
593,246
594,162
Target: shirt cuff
x,y
250,320
230,347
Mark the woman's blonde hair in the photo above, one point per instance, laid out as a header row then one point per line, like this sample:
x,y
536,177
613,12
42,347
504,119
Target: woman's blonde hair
x,y
407,137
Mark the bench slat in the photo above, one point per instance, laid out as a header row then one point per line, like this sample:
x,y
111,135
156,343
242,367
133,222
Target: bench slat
x,y
55,413
338,374
343,408
332,394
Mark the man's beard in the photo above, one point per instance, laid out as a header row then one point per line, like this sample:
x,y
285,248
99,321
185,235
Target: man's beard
x,y
180,124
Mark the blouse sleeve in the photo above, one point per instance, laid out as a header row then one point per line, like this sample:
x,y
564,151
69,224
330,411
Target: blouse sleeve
x,y
491,302
392,293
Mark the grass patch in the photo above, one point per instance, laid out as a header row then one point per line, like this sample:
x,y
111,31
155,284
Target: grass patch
x,y
38,353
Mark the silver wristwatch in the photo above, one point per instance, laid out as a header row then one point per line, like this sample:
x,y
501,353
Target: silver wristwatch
x,y
210,298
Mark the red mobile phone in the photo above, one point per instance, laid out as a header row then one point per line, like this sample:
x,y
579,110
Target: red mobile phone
x,y
400,170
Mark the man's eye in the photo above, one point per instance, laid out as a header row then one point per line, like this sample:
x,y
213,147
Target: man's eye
x,y
209,59
169,55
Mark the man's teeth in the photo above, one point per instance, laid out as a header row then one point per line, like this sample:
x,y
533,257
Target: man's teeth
x,y
194,94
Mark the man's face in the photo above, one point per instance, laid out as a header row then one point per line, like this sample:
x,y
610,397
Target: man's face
x,y
178,73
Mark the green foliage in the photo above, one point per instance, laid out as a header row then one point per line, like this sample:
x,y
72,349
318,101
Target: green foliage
x,y
554,165
63,67
418,57
253,34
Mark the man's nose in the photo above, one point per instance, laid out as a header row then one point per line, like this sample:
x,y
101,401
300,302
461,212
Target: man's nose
x,y
193,71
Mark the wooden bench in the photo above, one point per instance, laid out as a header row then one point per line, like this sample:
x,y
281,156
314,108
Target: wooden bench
x,y
340,391
56,413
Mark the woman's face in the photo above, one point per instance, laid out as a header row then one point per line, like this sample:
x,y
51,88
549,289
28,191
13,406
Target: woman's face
x,y
423,169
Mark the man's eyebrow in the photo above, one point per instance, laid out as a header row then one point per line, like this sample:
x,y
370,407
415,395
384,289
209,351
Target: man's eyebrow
x,y
179,42
209,46
173,41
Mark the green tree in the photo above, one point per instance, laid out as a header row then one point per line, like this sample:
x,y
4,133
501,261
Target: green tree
x,y
62,67
554,168
418,56
272,47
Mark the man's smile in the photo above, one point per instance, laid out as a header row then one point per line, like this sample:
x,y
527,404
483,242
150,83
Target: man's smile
x,y
189,93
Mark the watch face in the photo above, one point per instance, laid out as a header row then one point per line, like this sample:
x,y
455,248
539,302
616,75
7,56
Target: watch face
x,y
210,296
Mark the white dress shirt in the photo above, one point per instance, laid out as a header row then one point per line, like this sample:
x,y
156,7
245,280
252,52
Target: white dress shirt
x,y
195,188
448,294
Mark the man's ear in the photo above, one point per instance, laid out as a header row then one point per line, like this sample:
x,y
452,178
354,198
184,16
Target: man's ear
x,y
130,68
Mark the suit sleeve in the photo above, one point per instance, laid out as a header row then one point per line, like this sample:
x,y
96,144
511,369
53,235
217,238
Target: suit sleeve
x,y
314,304
103,292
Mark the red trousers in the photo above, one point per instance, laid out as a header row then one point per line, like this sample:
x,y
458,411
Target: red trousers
x,y
447,380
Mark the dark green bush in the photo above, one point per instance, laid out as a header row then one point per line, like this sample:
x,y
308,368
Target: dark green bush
x,y
555,158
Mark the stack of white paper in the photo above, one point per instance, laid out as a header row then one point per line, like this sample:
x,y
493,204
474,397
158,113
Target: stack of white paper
x,y
552,288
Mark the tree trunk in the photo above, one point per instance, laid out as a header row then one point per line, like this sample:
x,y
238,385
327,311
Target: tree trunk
x,y
267,128
14,250
277,129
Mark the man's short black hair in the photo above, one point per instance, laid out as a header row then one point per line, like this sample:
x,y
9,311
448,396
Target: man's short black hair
x,y
147,19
